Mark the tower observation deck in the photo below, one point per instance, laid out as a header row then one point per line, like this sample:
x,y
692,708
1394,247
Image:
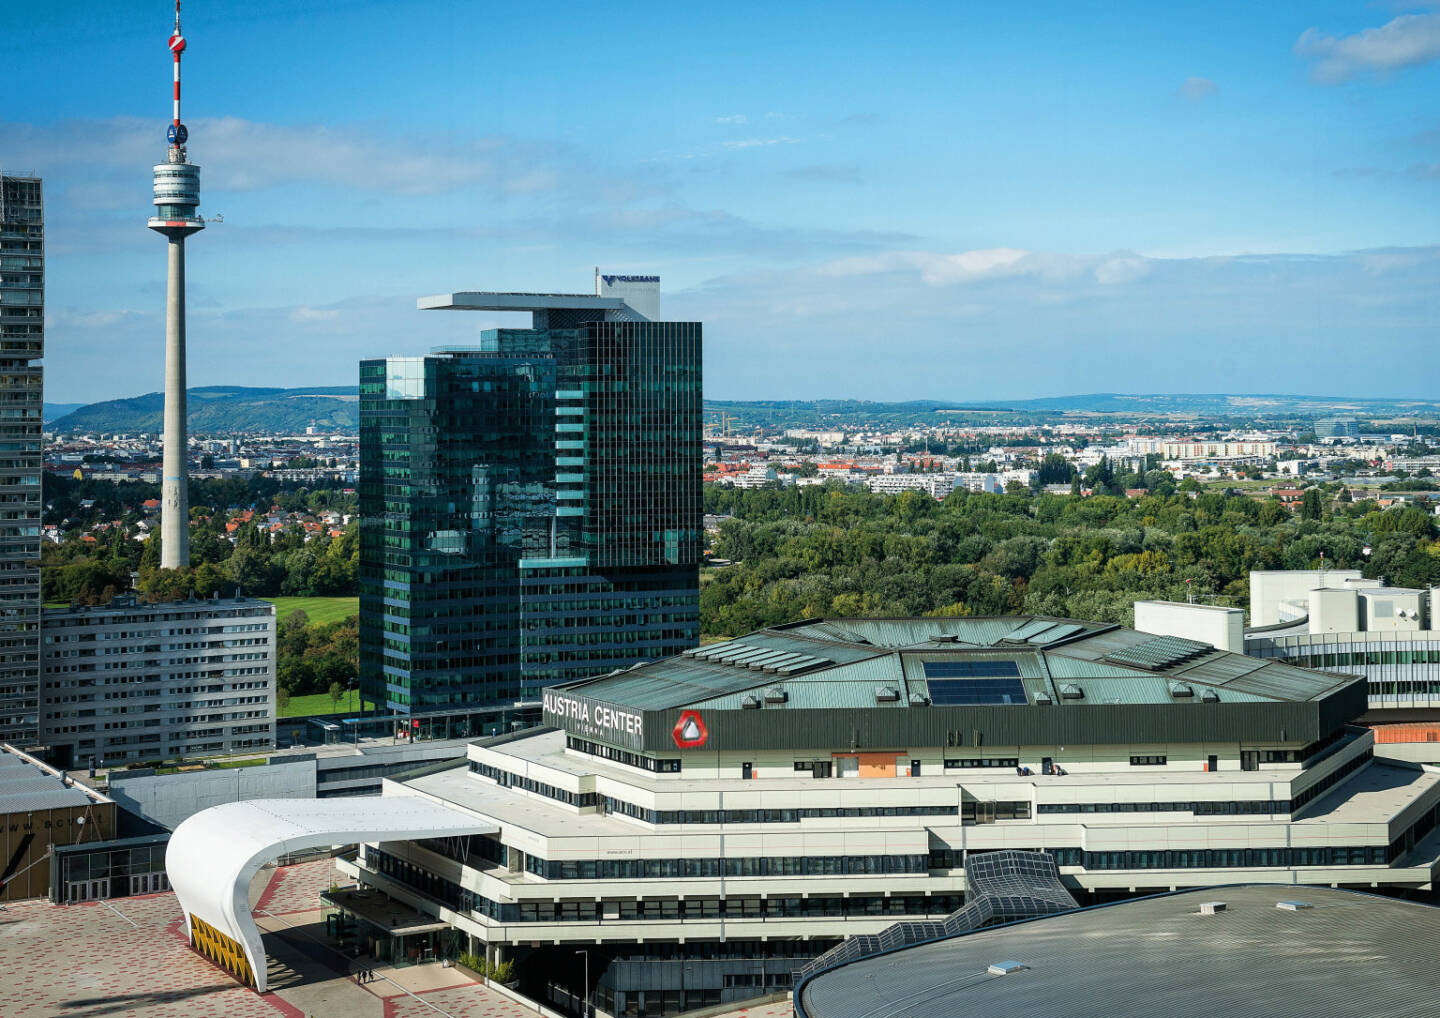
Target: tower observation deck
x,y
177,198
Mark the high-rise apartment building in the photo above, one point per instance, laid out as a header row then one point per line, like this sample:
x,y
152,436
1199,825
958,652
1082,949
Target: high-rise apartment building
x,y
22,344
530,507
128,681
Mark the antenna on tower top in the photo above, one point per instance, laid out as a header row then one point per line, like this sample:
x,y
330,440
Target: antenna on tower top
x,y
177,134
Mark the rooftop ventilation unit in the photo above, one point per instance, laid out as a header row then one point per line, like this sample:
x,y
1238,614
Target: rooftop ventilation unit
x,y
1043,698
1212,907
886,694
1179,689
776,695
919,700
1070,691
1210,696
944,638
1292,906
750,703
1005,968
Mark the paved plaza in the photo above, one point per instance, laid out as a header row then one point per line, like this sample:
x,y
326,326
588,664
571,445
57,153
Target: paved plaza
x,y
129,957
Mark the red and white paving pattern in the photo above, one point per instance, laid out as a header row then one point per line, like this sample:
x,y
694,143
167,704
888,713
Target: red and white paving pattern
x,y
129,957
112,959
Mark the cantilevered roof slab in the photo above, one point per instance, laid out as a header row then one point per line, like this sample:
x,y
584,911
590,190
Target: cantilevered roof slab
x,y
473,300
214,855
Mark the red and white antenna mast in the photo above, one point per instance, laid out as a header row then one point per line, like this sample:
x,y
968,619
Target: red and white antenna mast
x,y
177,46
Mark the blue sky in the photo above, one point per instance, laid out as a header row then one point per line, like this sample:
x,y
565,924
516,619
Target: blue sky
x,y
949,200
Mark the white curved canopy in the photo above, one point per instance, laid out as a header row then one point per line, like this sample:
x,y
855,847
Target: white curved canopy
x,y
214,854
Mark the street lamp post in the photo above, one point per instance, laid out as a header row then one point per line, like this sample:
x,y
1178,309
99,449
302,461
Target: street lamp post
x,y
588,1009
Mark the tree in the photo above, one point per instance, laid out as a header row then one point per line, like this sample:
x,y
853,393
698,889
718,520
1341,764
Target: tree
x,y
1054,469
282,699
1311,508
336,691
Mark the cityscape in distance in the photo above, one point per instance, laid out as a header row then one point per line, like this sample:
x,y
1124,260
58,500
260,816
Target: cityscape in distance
x,y
740,513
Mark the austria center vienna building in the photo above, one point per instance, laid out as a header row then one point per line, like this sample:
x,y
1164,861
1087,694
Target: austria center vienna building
x,y
698,830
530,505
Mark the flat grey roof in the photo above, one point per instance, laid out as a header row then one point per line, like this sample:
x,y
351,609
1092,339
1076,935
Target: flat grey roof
x,y
59,614
1347,954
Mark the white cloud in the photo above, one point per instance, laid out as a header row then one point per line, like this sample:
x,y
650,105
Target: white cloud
x,y
1196,89
309,314
734,118
101,156
965,267
759,142
1406,41
969,325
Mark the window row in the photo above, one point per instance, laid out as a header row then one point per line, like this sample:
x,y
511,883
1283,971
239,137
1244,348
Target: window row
x,y
1263,807
742,866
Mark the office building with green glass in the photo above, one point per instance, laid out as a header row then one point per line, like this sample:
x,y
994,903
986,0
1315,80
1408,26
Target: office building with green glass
x,y
530,505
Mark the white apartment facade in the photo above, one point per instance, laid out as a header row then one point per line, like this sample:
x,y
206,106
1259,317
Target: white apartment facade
x,y
130,681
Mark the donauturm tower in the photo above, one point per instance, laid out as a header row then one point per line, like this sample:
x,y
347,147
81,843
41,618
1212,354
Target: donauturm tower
x,y
177,197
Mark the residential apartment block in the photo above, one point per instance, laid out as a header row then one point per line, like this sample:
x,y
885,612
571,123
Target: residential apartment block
x,y
131,681
22,344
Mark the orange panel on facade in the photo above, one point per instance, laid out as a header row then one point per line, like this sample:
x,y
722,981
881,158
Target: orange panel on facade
x,y
1406,733
870,765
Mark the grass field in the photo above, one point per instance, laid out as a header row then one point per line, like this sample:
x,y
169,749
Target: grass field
x,y
318,609
320,703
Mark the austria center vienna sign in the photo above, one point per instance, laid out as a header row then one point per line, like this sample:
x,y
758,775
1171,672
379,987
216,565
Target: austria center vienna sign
x,y
593,719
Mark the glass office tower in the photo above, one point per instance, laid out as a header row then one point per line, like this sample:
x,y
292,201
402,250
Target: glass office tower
x,y
530,508
22,344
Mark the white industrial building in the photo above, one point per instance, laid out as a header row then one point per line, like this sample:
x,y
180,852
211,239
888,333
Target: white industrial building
x,y
1333,619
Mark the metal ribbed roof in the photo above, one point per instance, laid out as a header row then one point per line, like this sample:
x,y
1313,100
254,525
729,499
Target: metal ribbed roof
x,y
53,797
1348,954
1114,666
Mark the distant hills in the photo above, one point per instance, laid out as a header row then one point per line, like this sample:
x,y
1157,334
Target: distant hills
x,y
55,411
1263,408
221,409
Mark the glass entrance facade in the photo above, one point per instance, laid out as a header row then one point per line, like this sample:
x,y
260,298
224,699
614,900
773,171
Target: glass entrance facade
x,y
359,937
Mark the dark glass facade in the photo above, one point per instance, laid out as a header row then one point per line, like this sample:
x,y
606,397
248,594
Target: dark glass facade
x,y
530,511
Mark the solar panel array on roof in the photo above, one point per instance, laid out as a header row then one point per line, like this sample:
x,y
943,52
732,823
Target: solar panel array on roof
x,y
976,692
1159,652
970,669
